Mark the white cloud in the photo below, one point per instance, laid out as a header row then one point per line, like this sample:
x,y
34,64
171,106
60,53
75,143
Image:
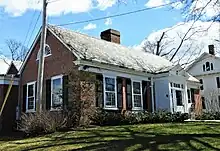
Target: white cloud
x,y
211,8
194,45
19,7
108,21
90,26
104,4
156,3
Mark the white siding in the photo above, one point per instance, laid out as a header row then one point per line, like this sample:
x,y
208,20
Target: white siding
x,y
197,69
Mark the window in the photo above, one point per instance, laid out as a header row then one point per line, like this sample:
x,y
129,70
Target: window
x,y
179,98
211,66
207,66
204,68
56,92
177,85
189,96
137,95
110,92
201,82
30,100
46,53
218,82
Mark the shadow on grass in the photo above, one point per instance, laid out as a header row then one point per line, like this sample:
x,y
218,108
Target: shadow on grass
x,y
130,137
127,139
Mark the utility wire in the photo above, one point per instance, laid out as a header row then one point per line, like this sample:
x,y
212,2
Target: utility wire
x,y
52,1
34,28
113,16
29,28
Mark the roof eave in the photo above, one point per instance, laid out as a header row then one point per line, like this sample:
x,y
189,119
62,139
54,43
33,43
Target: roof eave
x,y
81,62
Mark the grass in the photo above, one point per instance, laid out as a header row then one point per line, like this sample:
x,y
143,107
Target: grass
x,y
185,136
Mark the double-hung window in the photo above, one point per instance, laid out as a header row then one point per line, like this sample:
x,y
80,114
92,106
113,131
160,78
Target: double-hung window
x,y
110,100
30,100
137,95
56,92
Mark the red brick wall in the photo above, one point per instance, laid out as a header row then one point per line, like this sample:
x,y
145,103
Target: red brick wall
x,y
60,62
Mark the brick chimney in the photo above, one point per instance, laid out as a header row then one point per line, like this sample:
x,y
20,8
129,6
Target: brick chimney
x,y
211,49
111,35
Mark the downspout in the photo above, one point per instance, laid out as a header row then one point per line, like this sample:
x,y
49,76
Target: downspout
x,y
152,93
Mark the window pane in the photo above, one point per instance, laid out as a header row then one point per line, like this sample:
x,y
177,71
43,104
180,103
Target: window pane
x,y
188,93
129,89
109,84
110,99
30,103
31,90
179,98
137,101
57,93
207,66
136,88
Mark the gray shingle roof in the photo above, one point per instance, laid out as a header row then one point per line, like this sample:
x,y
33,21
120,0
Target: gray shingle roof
x,y
94,49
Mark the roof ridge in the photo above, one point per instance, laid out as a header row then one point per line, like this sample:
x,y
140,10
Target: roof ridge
x,y
91,36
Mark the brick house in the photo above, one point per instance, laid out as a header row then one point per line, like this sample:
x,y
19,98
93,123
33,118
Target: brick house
x,y
128,79
7,69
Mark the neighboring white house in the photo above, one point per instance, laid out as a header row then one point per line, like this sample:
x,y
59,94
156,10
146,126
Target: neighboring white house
x,y
207,69
175,90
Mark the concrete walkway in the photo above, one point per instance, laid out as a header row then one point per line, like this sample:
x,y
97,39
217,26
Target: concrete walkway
x,y
189,120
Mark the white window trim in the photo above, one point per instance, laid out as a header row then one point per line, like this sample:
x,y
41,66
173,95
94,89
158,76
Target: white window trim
x,y
44,55
116,101
136,108
32,110
51,94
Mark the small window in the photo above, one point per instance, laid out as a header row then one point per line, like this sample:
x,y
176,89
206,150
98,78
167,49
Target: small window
x,y
211,66
46,53
189,96
207,66
30,100
137,95
201,82
177,72
56,92
110,92
204,68
218,82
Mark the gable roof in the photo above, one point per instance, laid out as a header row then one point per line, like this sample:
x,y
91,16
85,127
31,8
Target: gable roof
x,y
200,58
97,50
5,65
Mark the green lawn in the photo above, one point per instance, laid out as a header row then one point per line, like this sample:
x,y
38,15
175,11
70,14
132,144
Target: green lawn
x,y
188,136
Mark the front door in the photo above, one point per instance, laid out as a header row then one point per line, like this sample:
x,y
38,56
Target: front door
x,y
178,105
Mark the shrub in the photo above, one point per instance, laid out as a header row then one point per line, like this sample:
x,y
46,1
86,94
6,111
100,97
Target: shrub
x,y
103,117
42,123
208,116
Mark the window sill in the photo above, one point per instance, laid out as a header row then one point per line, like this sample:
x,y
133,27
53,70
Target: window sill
x,y
53,109
110,108
137,109
30,111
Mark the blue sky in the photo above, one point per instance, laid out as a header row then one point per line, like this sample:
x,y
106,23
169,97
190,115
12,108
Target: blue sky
x,y
134,28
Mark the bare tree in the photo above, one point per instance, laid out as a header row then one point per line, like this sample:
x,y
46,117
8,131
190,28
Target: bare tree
x,y
206,10
17,50
211,101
